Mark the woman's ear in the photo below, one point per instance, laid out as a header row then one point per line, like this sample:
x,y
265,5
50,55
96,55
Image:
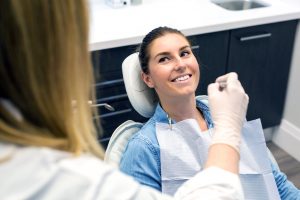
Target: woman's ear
x,y
147,79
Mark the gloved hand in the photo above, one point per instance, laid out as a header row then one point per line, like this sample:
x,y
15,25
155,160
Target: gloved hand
x,y
228,104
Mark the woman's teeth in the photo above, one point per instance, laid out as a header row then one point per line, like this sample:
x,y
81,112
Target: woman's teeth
x,y
182,78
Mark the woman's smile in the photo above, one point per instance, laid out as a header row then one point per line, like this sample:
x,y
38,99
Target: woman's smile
x,y
182,78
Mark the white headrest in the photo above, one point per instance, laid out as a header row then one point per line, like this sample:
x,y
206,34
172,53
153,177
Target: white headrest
x,y
142,98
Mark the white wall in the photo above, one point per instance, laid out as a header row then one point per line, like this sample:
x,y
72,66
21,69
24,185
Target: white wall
x,y
292,107
287,136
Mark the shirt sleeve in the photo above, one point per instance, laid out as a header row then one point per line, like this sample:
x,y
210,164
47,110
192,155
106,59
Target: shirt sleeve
x,y
212,183
286,189
141,161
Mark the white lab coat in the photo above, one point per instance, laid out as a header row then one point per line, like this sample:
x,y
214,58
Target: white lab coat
x,y
44,173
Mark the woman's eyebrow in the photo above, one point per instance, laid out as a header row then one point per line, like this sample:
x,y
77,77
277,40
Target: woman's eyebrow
x,y
162,54
167,53
185,47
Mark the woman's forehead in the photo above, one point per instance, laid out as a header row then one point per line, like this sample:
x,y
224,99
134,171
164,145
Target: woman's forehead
x,y
168,42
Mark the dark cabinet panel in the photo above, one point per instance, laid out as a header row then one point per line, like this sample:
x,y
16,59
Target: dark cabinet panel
x,y
261,56
110,89
110,61
111,120
211,53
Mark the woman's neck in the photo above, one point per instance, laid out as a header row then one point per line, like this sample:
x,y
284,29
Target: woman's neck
x,y
180,109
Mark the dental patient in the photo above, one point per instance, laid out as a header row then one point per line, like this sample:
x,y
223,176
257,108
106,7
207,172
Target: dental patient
x,y
171,69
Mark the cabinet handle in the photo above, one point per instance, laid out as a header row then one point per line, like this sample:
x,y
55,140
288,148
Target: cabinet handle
x,y
195,47
254,37
104,139
109,83
114,113
112,98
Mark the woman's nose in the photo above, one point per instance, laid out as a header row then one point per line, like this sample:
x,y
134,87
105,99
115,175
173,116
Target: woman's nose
x,y
180,64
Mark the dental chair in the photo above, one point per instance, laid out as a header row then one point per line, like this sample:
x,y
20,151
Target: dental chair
x,y
144,101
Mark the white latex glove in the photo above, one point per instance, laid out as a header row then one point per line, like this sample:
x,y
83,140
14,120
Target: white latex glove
x,y
228,109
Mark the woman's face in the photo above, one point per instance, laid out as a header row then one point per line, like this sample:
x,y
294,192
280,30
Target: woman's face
x,y
173,68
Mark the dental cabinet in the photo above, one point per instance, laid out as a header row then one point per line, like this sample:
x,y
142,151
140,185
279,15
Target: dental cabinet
x,y
110,86
261,56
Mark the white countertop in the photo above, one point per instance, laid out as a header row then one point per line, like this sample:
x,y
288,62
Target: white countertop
x,y
113,27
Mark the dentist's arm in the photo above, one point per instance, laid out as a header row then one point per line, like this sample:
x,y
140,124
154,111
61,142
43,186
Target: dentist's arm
x,y
228,106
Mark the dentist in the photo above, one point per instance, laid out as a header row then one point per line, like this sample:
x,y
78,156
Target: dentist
x,y
48,142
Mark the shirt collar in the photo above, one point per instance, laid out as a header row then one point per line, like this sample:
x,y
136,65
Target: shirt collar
x,y
161,116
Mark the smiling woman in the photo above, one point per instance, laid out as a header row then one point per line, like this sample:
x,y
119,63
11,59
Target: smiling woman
x,y
172,134
171,69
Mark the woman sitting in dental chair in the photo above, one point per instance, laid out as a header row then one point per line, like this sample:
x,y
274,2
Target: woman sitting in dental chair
x,y
170,68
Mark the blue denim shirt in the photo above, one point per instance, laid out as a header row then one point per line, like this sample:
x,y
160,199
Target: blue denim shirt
x,y
286,189
141,158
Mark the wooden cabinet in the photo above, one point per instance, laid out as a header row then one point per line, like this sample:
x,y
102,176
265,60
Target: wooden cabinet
x,y
260,55
211,53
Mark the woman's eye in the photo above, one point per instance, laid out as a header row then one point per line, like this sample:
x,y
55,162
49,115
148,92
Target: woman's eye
x,y
185,53
163,59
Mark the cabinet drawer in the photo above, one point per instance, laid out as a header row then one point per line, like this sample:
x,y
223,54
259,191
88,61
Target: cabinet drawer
x,y
119,102
111,120
110,60
211,53
108,89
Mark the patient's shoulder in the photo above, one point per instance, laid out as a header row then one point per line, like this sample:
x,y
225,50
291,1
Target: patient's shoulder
x,y
147,133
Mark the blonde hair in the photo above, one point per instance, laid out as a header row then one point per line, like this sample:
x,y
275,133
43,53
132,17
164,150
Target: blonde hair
x,y
45,71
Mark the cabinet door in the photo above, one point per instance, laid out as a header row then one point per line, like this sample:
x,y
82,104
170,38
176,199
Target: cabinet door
x,y
211,52
261,56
